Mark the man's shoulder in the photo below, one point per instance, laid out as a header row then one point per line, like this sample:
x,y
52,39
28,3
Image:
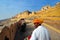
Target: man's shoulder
x,y
35,30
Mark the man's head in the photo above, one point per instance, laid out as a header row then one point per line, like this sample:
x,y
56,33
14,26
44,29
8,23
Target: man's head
x,y
37,22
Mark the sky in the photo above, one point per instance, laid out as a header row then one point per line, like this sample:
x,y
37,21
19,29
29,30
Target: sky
x,y
9,8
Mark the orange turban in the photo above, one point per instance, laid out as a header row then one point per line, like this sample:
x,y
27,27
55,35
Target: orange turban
x,y
39,21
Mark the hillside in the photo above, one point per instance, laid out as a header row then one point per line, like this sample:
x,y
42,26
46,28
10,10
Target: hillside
x,y
51,15
46,12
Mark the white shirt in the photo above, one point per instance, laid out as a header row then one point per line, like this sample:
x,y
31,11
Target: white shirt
x,y
40,33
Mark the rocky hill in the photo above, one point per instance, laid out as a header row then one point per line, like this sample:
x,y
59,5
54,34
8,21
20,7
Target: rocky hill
x,y
51,15
47,12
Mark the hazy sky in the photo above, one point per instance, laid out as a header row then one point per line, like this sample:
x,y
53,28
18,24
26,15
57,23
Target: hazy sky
x,y
9,8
